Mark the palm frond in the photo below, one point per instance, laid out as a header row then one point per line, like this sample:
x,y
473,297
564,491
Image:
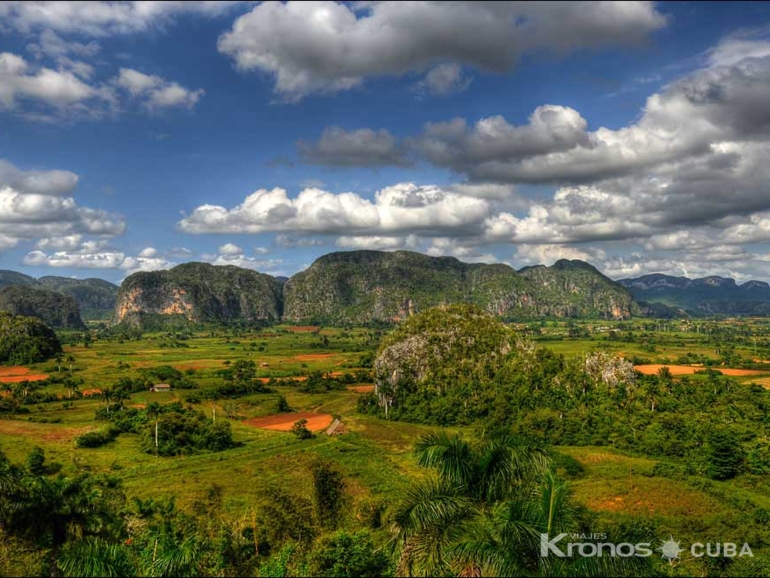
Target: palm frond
x,y
96,557
182,559
451,456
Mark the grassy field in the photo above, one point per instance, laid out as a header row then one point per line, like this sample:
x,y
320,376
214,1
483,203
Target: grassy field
x,y
375,455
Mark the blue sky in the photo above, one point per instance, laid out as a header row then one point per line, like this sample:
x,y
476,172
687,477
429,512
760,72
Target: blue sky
x,y
136,136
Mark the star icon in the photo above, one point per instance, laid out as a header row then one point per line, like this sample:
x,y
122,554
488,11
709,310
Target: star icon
x,y
670,549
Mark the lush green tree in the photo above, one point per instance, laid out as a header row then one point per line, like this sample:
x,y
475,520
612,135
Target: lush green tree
x,y
348,555
95,557
299,429
282,518
282,405
328,493
36,461
51,512
724,455
484,512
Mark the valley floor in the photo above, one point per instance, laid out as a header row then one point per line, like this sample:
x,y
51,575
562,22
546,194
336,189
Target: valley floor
x,y
375,455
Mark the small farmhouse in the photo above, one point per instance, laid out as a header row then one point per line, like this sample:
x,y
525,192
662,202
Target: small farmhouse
x,y
160,387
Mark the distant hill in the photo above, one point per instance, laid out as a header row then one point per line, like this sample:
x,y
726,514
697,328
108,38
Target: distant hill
x,y
8,278
198,292
574,288
55,309
95,297
703,296
364,286
359,287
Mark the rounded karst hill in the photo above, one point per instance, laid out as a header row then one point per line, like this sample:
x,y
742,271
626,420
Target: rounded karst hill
x,y
440,360
26,340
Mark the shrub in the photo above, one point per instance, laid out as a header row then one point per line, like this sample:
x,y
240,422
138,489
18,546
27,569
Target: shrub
x,y
36,461
345,554
300,430
96,439
328,492
281,405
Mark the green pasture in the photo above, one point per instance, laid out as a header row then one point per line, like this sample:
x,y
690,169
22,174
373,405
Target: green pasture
x,y
375,455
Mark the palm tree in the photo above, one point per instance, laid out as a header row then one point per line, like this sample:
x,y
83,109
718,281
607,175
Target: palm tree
x,y
108,395
71,361
178,558
435,518
54,511
485,512
154,410
94,557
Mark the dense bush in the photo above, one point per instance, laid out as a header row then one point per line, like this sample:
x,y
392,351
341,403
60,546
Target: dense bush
x,y
181,430
95,439
184,431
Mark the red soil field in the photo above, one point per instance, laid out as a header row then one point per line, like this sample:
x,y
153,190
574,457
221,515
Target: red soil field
x,y
302,328
689,370
17,374
361,388
311,356
13,370
284,421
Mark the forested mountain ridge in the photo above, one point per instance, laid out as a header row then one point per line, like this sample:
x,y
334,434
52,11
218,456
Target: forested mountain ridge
x,y
198,292
364,286
8,278
55,309
354,287
704,296
574,288
96,298
358,287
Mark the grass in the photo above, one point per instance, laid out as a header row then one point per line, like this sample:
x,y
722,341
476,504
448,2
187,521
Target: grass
x,y
375,456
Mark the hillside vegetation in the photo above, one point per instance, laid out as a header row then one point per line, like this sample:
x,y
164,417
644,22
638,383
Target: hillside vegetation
x,y
365,286
459,366
95,297
26,340
705,296
55,309
198,292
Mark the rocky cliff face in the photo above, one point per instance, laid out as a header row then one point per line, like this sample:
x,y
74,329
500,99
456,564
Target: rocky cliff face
x,y
199,292
55,309
573,288
364,286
